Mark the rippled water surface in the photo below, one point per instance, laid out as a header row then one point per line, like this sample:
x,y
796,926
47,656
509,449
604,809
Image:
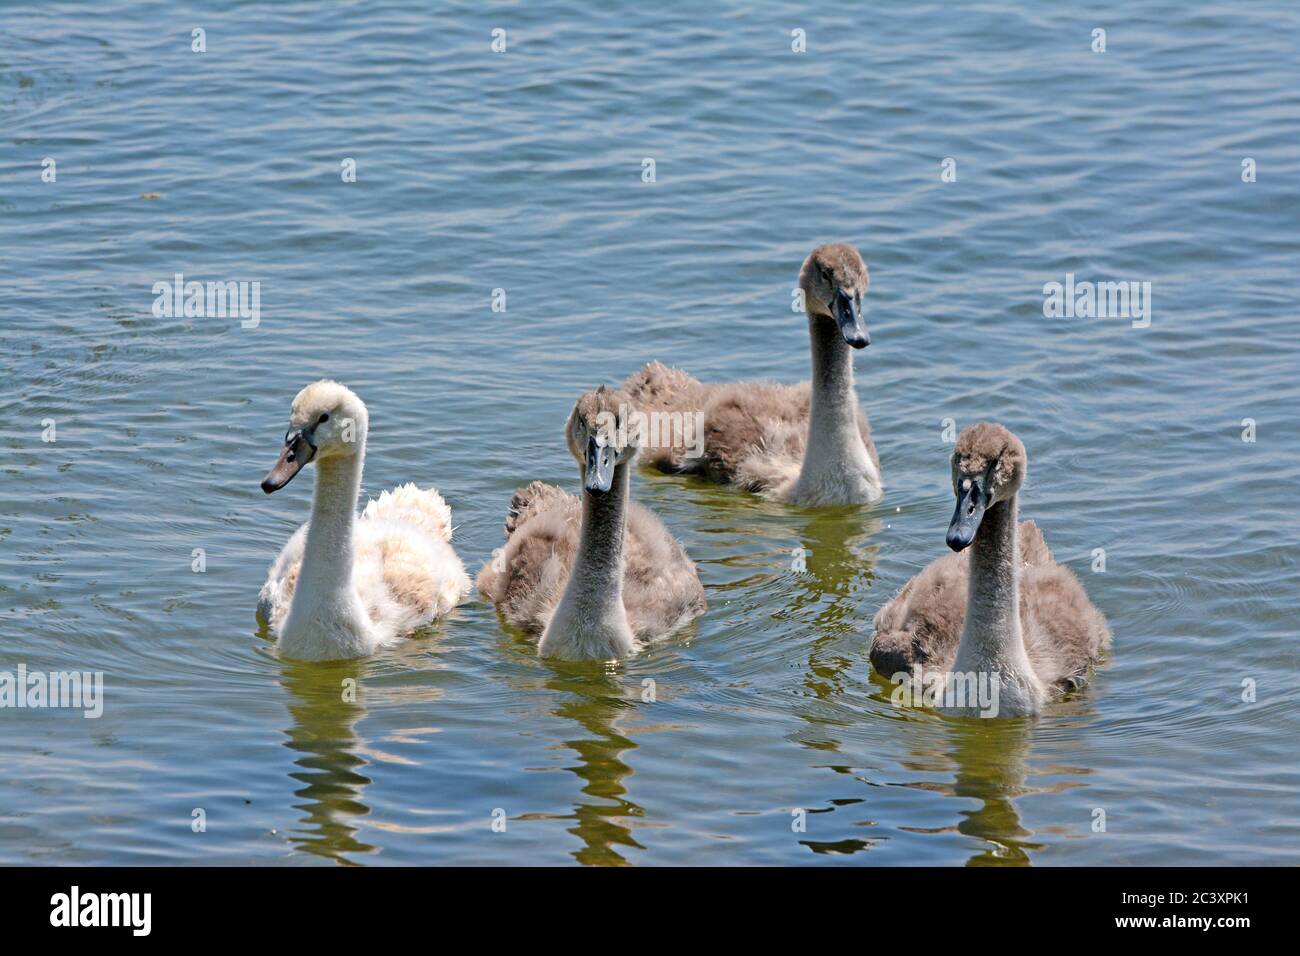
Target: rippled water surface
x,y
522,171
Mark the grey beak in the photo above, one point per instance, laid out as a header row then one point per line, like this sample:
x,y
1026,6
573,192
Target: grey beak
x,y
971,504
849,316
598,476
298,450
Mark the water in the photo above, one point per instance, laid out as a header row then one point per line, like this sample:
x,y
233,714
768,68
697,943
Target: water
x,y
522,171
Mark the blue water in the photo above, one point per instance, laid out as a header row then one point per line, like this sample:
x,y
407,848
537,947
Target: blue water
x,y
522,171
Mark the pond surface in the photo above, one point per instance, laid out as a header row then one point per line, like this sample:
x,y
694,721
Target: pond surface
x,y
523,171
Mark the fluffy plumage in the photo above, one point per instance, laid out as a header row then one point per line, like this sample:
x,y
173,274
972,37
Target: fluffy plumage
x,y
422,508
661,588
344,585
616,576
810,443
755,433
404,567
1064,633
1061,632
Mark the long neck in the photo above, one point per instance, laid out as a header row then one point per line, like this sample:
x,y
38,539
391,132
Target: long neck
x,y
992,626
327,555
833,415
597,579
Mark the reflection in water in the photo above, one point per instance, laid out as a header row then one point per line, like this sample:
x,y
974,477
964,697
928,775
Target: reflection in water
x,y
324,717
991,756
840,567
988,758
595,700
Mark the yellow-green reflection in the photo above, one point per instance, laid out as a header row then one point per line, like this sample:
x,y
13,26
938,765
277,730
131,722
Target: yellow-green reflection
x,y
990,757
592,696
325,705
840,564
987,758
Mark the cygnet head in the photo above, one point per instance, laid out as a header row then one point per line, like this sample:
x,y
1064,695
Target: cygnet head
x,y
602,433
327,420
989,465
834,280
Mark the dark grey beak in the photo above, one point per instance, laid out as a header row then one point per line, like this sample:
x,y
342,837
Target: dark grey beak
x,y
971,503
598,476
849,316
297,451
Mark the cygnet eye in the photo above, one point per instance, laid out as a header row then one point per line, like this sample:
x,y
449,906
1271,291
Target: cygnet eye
x,y
323,419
